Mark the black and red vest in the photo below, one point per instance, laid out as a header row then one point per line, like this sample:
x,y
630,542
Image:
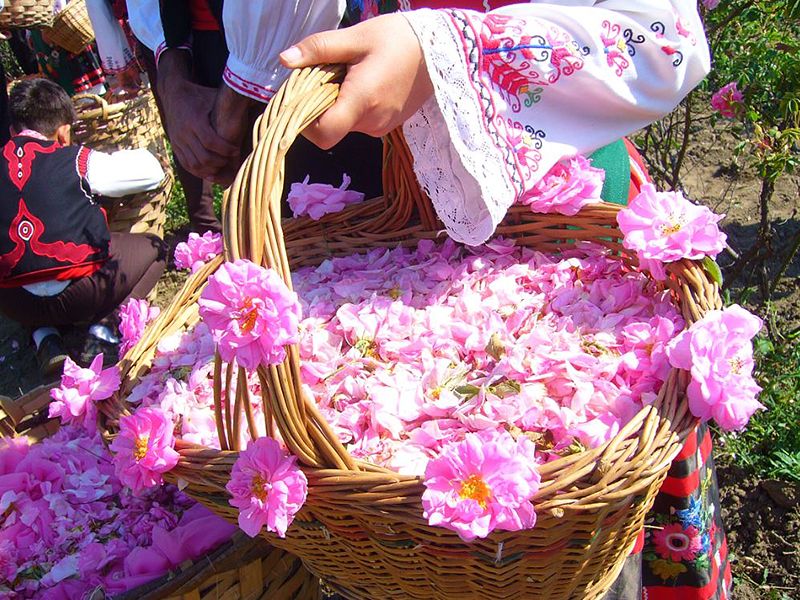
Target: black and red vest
x,y
50,227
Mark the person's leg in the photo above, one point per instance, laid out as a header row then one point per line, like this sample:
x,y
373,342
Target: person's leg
x,y
199,194
134,265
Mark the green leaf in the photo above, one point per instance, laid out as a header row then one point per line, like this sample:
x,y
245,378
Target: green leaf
x,y
468,390
712,268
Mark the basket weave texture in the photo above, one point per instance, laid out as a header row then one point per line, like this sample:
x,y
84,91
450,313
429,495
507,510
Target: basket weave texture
x,y
242,568
132,123
26,14
72,28
362,528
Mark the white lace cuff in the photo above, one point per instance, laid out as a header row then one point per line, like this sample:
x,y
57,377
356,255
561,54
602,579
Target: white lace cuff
x,y
455,160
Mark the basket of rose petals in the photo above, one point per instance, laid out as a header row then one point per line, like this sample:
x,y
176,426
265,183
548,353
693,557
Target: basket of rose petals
x,y
421,419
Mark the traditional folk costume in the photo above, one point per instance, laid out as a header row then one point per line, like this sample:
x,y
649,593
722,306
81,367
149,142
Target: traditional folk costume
x,y
59,263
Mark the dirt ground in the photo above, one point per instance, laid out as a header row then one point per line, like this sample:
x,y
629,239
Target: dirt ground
x,y
762,517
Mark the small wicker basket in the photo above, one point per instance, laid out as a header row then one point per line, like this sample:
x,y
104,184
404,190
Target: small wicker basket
x,y
362,529
240,568
132,123
26,14
72,28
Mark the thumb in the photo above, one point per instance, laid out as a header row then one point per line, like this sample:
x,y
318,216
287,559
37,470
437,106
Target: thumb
x,y
339,46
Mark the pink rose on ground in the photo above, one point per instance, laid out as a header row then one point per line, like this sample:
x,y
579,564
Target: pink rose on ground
x,y
664,227
727,100
566,188
675,543
251,312
480,484
134,316
319,199
144,449
197,250
74,401
267,487
718,353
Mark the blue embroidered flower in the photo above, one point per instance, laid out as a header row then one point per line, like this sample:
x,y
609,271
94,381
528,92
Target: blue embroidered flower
x,y
691,515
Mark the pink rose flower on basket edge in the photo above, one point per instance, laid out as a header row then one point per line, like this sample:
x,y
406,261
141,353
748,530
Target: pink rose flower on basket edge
x,y
251,312
267,487
482,483
718,352
664,227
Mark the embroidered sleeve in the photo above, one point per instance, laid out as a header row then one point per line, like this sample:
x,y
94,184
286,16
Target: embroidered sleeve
x,y
523,87
256,32
144,18
112,45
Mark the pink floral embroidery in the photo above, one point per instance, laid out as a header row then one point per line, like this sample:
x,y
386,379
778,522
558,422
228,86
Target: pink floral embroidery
x,y
615,47
676,543
523,65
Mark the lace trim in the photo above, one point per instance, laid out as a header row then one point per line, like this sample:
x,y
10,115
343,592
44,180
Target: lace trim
x,y
459,158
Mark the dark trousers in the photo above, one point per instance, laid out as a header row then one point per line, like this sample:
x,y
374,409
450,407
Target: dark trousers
x,y
134,265
199,194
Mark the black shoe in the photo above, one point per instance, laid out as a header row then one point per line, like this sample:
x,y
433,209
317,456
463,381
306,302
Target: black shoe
x,y
51,356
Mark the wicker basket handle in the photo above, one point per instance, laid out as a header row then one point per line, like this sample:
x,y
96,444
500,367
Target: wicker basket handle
x,y
252,230
90,101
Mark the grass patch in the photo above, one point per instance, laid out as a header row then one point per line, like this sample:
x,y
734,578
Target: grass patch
x,y
177,213
771,442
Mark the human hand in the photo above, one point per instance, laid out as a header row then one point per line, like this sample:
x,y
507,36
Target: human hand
x,y
127,82
187,111
387,80
232,118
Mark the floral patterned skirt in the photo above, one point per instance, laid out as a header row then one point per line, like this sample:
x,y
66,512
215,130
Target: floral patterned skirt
x,y
685,553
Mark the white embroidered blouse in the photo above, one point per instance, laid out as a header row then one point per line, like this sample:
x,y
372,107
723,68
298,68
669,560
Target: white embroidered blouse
x,y
525,86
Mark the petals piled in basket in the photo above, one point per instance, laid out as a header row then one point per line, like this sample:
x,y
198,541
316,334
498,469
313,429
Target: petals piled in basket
x,y
481,363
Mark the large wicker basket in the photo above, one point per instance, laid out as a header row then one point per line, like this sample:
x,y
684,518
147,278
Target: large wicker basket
x,y
132,123
362,528
240,568
26,14
72,28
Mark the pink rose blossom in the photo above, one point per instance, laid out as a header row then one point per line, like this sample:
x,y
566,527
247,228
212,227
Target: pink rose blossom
x,y
197,250
144,449
74,401
728,100
663,227
319,199
566,188
134,316
673,542
267,487
481,484
718,353
251,312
